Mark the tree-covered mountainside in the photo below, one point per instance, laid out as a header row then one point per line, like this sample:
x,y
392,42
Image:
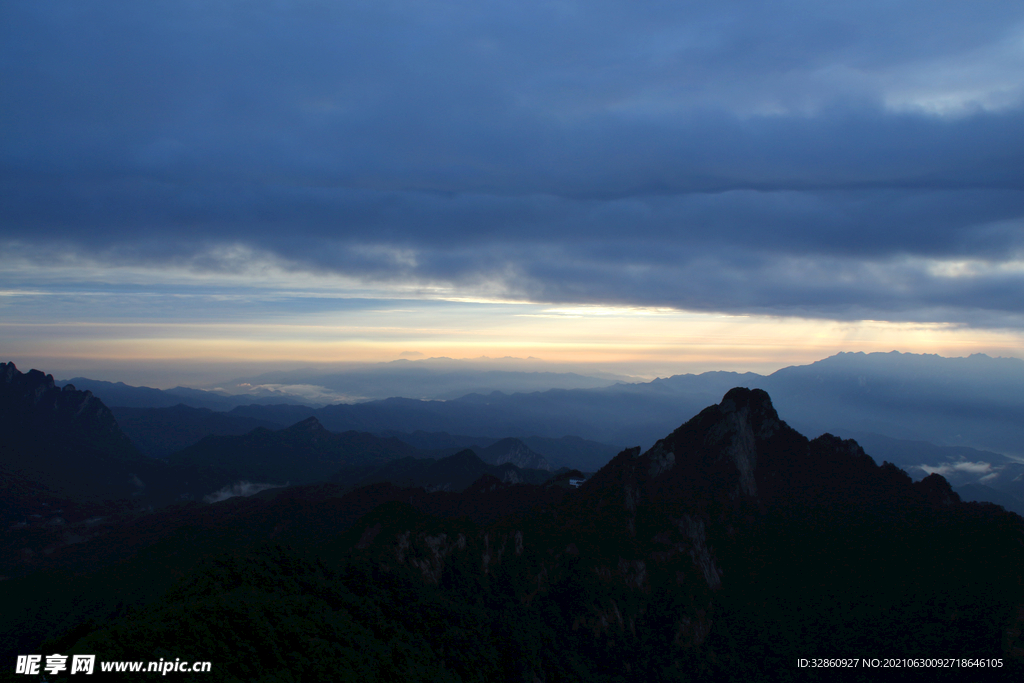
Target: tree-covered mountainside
x,y
727,551
455,473
300,454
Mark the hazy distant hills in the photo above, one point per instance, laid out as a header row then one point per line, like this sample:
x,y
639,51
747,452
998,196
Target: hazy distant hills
x,y
728,550
69,443
158,432
975,403
431,378
609,416
514,452
971,401
549,423
119,394
976,475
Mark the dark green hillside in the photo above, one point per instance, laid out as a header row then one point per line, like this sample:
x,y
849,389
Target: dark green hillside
x,y
729,550
129,562
158,432
302,453
454,473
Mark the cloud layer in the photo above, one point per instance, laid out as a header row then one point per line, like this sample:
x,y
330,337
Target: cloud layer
x,y
794,158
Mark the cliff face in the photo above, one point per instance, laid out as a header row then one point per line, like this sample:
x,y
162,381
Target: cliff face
x,y
30,402
64,446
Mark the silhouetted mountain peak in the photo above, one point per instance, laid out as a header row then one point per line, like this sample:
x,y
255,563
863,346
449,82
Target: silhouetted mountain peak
x,y
310,425
516,452
34,402
754,402
65,442
464,458
717,455
937,490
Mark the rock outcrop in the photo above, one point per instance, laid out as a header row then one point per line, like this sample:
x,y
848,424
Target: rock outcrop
x,y
515,452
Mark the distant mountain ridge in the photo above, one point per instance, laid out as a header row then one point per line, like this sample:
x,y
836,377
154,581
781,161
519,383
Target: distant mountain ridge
x,y
976,401
158,432
516,452
972,402
978,405
119,394
303,453
423,379
432,379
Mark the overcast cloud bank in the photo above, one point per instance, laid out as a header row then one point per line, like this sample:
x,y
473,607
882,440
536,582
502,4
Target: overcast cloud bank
x,y
847,162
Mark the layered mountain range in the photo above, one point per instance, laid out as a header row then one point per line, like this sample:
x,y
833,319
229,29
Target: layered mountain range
x,y
729,550
974,402
960,417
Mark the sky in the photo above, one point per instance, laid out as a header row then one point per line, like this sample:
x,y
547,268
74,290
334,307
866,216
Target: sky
x,y
650,187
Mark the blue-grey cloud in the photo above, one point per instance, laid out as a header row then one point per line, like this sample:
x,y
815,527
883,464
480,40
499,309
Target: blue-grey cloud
x,y
790,158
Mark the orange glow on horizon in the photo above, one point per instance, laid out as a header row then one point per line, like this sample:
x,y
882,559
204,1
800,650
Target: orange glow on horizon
x,y
639,343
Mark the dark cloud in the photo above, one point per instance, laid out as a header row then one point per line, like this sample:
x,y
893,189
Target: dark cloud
x,y
791,158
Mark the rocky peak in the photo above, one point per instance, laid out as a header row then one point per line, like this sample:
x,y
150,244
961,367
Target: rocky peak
x,y
310,425
65,441
306,434
464,458
746,417
33,401
720,453
516,452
